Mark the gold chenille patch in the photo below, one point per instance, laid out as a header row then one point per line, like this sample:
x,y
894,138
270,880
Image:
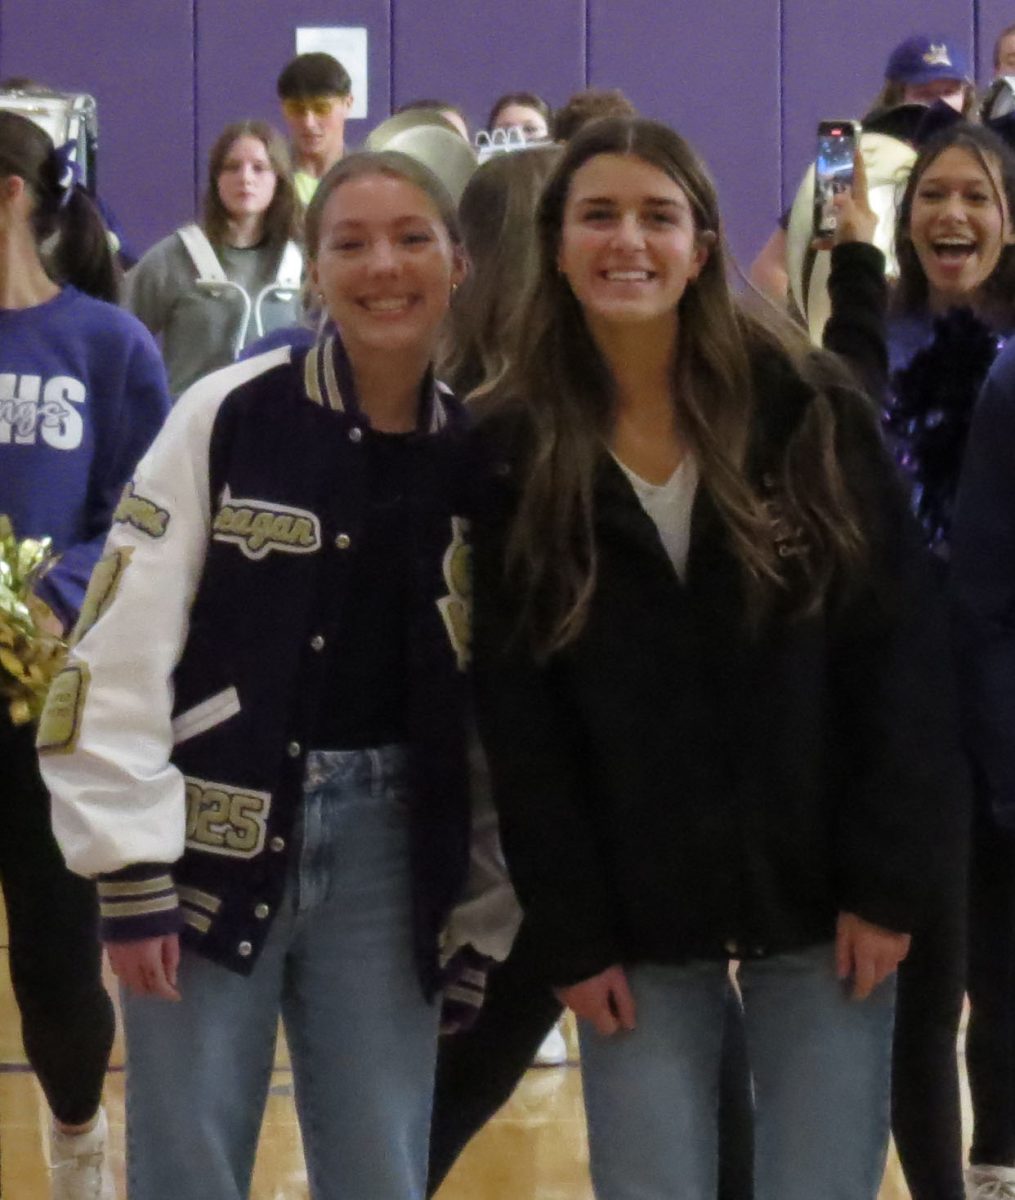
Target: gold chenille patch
x,y
224,819
102,588
456,607
141,513
60,723
258,527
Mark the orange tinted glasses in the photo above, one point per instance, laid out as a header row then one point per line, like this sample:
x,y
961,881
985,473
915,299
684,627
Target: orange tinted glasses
x,y
319,106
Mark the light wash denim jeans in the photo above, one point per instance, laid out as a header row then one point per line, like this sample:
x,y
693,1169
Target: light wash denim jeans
x,y
821,1064
338,966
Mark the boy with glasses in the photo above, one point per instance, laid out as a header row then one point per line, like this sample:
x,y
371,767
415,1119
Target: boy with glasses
x,y
316,94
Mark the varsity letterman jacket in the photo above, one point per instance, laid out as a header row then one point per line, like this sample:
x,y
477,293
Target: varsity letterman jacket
x,y
174,740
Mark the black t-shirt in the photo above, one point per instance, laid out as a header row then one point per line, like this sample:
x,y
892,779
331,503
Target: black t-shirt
x,y
366,666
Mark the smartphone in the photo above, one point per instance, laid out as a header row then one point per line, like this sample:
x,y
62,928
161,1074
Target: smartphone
x,y
833,171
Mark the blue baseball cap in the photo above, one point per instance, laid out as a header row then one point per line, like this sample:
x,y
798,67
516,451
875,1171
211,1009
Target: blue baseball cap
x,y
923,59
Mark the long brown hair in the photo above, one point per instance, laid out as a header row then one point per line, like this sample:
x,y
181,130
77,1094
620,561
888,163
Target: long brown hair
x,y
498,215
566,391
81,255
284,215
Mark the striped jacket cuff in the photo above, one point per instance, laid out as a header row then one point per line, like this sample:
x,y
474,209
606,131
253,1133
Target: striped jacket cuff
x,y
464,989
138,902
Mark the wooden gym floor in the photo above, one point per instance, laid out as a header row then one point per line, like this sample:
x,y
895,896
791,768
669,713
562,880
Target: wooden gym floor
x,y
534,1149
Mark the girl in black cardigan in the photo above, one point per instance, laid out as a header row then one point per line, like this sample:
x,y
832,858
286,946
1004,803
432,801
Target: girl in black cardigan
x,y
707,659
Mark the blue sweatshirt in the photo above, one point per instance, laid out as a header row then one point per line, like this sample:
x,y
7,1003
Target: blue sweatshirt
x,y
82,393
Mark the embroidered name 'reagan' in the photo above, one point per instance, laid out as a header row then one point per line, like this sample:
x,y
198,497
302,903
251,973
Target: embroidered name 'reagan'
x,y
258,527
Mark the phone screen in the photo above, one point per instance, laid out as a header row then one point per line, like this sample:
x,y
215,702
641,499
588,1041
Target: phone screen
x,y
833,171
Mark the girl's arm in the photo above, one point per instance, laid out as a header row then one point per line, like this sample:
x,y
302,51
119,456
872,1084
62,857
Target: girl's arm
x,y
983,589
150,288
106,734
857,288
899,778
534,768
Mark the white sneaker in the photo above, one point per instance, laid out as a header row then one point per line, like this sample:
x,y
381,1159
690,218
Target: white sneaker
x,y
553,1051
79,1169
990,1183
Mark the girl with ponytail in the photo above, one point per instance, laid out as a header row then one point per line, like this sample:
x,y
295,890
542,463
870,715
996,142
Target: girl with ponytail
x,y
82,392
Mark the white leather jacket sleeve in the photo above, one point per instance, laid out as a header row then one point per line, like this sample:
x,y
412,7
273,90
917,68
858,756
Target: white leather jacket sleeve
x,y
106,734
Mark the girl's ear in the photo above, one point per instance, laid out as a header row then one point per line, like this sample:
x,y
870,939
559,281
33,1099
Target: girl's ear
x,y
459,265
12,187
705,243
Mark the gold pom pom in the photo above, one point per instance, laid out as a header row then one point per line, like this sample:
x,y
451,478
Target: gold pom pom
x,y
32,648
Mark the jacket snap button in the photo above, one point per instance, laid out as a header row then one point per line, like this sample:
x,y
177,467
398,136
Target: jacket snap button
x,y
261,911
244,949
277,845
293,749
317,642
343,541
355,434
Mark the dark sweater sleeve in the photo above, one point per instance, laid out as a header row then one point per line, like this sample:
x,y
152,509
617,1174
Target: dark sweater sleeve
x,y
902,789
856,328
983,589
547,833
133,415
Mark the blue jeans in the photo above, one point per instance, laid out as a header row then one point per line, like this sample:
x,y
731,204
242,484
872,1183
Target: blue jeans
x,y
338,967
821,1065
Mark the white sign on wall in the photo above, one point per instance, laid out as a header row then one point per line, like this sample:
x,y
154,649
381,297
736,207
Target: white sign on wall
x,y
349,45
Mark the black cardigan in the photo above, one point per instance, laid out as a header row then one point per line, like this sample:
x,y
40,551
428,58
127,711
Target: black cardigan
x,y
671,786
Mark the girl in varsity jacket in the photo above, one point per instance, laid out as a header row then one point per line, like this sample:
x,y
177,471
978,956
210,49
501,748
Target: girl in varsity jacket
x,y
258,743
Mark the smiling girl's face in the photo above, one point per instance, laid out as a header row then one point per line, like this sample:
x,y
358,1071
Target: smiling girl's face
x,y
385,264
628,244
959,224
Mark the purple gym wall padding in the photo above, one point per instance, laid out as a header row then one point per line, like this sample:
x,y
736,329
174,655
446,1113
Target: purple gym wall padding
x,y
243,44
471,53
712,72
745,80
834,57
136,59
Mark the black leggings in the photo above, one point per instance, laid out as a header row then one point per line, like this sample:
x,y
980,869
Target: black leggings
x,y
477,1071
67,1018
990,1038
926,1112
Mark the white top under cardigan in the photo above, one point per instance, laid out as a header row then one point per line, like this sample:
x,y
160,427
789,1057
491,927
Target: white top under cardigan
x,y
669,505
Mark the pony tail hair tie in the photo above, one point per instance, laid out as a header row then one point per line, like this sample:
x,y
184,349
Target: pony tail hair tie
x,y
68,171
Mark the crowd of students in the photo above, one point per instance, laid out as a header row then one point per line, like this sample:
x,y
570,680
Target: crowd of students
x,y
731,615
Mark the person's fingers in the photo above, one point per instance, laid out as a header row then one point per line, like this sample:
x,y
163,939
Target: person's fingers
x,y
171,959
843,953
157,982
623,1001
604,1021
860,186
864,976
140,967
